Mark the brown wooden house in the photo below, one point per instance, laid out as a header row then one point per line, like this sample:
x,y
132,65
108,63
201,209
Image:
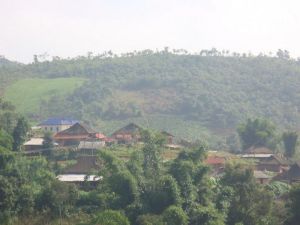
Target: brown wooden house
x,y
274,163
169,137
84,165
85,170
216,163
261,177
131,133
290,176
76,133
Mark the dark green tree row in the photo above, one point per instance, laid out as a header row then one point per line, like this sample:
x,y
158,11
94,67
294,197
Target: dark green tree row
x,y
263,133
14,128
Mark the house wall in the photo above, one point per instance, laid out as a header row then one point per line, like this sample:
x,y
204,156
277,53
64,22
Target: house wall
x,y
32,147
55,128
272,168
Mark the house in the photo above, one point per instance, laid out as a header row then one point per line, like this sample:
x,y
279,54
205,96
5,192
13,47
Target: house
x,y
57,124
83,171
78,178
76,133
169,137
258,150
84,165
33,144
89,147
217,163
131,133
274,163
261,177
290,176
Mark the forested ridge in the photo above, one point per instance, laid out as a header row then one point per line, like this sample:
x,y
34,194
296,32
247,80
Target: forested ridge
x,y
214,89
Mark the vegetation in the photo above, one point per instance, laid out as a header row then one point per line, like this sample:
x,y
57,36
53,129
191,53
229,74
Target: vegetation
x,y
212,89
257,133
290,143
31,95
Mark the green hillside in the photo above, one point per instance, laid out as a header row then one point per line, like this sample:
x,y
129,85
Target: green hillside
x,y
190,95
28,95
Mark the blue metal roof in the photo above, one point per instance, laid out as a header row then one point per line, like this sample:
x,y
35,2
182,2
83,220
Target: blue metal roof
x,y
58,121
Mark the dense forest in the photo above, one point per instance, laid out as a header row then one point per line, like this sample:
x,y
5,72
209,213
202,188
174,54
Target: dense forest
x,y
214,89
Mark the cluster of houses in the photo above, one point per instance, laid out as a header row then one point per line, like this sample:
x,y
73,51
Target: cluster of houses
x,y
267,165
68,132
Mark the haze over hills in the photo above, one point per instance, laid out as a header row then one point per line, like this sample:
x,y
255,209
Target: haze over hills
x,y
190,95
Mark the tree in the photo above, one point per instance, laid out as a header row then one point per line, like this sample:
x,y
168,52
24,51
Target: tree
x,y
125,186
205,215
257,133
48,142
249,203
6,141
59,197
294,205
20,133
190,174
283,54
290,143
174,215
7,200
150,219
151,151
110,217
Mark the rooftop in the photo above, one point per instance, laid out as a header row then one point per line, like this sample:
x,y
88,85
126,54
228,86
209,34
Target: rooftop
x,y
58,121
78,177
34,141
213,160
258,150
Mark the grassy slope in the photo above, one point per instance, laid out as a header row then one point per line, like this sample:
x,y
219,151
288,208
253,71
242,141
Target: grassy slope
x,y
181,128
27,94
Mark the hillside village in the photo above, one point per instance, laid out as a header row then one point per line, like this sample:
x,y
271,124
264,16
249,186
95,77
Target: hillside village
x,y
73,135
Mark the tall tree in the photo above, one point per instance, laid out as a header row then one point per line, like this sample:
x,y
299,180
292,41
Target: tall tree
x,y
293,206
249,203
20,133
257,132
6,141
290,143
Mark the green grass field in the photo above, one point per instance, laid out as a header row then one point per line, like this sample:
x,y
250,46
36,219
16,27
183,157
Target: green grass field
x,y
27,94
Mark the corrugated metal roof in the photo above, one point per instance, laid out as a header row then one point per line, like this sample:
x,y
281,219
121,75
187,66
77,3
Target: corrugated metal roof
x,y
257,155
58,121
78,178
34,141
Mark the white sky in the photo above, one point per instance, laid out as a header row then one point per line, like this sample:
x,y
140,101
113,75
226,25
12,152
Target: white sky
x,y
74,27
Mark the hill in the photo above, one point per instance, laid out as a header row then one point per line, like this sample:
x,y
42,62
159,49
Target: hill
x,y
213,90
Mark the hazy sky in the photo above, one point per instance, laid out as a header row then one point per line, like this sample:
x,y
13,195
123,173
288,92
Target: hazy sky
x,y
72,27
